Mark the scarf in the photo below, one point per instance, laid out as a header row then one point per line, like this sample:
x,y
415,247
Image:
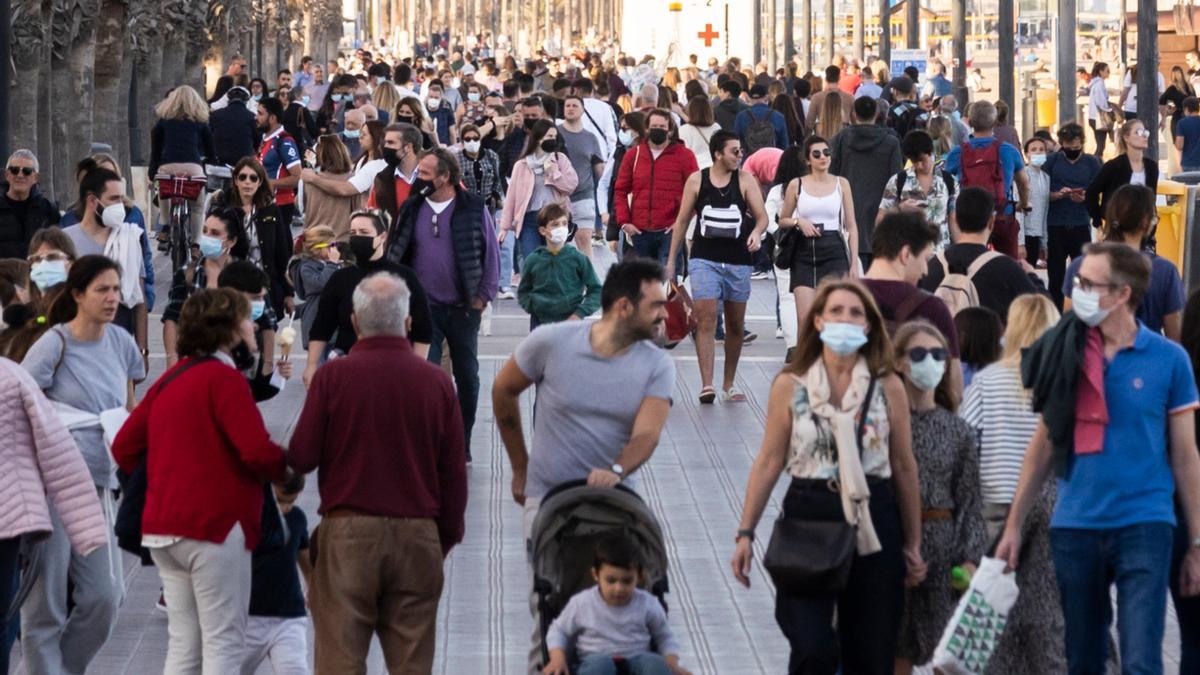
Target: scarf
x,y
1091,411
856,495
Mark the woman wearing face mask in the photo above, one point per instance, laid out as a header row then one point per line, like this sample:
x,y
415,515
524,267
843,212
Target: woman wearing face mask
x,y
1033,222
326,208
1130,218
838,422
298,120
256,360
946,450
632,130
268,239
411,111
258,89
222,240
338,99
333,323
542,176
1130,166
87,368
472,110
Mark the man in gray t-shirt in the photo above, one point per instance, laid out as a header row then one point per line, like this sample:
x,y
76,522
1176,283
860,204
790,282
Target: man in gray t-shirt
x,y
587,158
603,394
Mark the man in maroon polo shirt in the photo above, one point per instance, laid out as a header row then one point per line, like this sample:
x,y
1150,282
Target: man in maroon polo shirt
x,y
393,489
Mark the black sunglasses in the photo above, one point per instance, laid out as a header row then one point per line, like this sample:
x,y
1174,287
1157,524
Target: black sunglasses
x,y
22,170
917,354
816,154
247,177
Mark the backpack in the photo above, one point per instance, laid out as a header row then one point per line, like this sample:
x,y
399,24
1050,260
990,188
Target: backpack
x,y
906,116
982,168
958,290
760,134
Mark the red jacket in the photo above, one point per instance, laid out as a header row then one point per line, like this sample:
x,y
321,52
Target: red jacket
x,y
656,185
207,452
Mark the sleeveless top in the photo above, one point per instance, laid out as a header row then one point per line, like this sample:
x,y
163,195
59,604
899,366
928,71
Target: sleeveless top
x,y
722,227
819,460
825,212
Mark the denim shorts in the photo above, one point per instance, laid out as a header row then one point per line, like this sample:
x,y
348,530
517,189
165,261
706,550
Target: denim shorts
x,y
719,281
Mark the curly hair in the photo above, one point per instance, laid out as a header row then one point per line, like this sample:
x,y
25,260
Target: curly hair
x,y
209,320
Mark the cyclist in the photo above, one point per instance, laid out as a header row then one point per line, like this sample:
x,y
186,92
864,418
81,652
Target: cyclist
x,y
181,141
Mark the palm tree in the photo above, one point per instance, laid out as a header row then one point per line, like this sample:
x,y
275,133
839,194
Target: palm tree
x,y
73,32
28,41
145,44
111,114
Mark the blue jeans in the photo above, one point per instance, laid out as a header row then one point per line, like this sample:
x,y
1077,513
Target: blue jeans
x,y
506,259
530,238
1086,563
459,326
648,663
654,245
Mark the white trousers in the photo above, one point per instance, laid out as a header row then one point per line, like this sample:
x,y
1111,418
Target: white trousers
x,y
281,641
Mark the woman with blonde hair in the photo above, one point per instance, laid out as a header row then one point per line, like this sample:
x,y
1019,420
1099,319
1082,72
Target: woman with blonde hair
x,y
181,140
830,118
941,130
999,409
838,415
385,98
323,207
1130,166
319,260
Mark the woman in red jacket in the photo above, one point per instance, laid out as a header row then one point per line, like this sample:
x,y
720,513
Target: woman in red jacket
x,y
650,184
207,454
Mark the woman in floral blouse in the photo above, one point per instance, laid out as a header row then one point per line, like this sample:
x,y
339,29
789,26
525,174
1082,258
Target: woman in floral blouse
x,y
918,188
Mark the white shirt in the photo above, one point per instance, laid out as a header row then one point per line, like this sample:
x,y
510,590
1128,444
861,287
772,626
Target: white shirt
x,y
1131,99
364,175
696,139
1098,98
1138,178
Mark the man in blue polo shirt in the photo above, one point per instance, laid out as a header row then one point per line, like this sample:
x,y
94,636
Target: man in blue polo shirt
x,y
982,120
1124,446
1187,135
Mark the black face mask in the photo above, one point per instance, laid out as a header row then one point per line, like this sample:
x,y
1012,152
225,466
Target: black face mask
x,y
657,136
391,156
362,246
422,187
243,358
1073,154
529,123
549,145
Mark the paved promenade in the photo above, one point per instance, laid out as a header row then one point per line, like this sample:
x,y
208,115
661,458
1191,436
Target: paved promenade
x,y
694,482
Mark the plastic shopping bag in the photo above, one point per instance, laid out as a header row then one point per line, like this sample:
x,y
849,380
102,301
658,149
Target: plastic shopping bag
x,y
971,637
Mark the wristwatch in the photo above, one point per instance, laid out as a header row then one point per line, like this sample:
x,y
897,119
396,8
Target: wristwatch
x,y
619,470
749,534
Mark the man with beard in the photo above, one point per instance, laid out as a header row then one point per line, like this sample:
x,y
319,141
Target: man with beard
x,y
603,392
391,188
280,157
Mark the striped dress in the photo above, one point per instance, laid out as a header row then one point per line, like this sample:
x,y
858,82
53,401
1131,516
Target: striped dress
x,y
999,410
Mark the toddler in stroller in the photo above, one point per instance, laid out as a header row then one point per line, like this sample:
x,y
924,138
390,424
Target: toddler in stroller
x,y
601,548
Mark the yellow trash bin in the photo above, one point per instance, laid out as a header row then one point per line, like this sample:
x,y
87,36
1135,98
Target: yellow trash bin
x,y
1169,237
1047,108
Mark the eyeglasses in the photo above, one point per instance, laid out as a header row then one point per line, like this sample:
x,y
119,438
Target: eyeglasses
x,y
247,178
1143,133
816,154
22,170
918,354
1083,283
56,256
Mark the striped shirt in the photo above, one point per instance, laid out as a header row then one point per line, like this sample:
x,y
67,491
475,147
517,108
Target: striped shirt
x,y
1000,411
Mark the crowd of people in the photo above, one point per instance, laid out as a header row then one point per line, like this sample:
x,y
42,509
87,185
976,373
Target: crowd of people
x,y
389,201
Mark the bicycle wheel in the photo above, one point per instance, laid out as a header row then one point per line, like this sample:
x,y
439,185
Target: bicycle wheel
x,y
179,236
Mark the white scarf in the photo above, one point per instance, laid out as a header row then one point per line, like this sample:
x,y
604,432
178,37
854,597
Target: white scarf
x,y
124,245
856,495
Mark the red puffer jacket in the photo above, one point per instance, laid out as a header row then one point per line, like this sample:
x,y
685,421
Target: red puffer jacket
x,y
656,185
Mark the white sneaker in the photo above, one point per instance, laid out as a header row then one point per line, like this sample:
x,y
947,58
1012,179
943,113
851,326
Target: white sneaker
x,y
506,294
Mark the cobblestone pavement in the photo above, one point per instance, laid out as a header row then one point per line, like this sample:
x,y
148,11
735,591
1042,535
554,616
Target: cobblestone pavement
x,y
695,482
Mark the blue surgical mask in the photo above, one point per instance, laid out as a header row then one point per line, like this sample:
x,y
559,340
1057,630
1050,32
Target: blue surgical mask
x,y
473,97
338,98
1037,159
625,137
257,307
48,273
927,373
211,246
256,97
843,338
304,99
352,133
957,114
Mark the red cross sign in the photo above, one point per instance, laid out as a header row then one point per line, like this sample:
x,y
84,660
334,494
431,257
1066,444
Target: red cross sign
x,y
708,35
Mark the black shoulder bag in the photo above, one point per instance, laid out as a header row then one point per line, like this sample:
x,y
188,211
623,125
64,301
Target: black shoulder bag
x,y
807,557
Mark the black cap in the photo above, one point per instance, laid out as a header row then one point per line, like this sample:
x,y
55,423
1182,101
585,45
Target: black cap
x,y
758,91
903,84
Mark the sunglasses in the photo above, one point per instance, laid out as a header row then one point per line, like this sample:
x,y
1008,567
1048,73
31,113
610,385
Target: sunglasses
x,y
1144,133
816,154
247,178
468,140
21,170
918,354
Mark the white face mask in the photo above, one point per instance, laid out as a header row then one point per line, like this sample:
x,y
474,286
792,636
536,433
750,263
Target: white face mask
x,y
113,215
927,373
433,103
471,147
1037,159
558,236
1086,305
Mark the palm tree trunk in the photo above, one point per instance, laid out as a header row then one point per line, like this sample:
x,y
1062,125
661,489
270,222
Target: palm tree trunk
x,y
111,109
28,44
45,132
74,80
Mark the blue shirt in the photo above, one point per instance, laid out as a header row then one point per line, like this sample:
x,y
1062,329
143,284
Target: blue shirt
x,y
443,119
1188,129
940,85
1165,295
741,123
1064,173
1130,480
1010,160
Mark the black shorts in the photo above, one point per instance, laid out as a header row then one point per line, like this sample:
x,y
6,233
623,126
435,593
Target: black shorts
x,y
817,258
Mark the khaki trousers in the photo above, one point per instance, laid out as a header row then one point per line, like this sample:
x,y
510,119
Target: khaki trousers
x,y
375,576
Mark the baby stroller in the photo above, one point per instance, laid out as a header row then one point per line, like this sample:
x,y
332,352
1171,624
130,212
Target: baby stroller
x,y
571,520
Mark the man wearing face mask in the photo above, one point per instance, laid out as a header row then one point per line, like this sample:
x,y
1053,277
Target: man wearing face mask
x,y
103,231
442,114
352,130
23,207
256,361
448,236
1117,404
391,189
1067,220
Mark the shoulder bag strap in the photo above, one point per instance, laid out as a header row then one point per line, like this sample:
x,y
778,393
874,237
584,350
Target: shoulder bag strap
x,y
979,262
862,417
181,370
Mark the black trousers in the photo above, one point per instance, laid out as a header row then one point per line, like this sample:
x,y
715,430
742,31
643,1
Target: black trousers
x,y
8,588
868,609
1063,243
1033,250
1101,139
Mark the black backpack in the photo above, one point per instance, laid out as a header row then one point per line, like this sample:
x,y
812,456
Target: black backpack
x,y
760,134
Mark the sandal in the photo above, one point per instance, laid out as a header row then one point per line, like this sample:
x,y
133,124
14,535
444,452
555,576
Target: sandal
x,y
708,395
733,395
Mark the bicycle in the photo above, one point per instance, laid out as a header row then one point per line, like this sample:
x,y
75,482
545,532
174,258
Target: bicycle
x,y
179,192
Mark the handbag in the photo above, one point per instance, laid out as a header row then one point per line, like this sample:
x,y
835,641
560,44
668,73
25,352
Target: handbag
x,y
1107,120
785,247
681,320
971,637
806,557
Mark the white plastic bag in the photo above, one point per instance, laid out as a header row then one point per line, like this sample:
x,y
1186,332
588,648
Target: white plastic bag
x,y
971,637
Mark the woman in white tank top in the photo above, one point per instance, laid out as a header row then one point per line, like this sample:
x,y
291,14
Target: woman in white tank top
x,y
822,210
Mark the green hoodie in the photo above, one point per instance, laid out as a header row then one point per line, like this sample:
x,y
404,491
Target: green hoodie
x,y
556,285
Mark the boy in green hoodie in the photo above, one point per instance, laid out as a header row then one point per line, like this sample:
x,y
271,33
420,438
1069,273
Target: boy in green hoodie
x,y
557,282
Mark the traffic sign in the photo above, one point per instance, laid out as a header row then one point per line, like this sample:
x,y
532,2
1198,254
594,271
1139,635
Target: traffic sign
x,y
903,58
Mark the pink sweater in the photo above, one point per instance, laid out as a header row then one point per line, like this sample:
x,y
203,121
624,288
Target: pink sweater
x,y
41,460
561,179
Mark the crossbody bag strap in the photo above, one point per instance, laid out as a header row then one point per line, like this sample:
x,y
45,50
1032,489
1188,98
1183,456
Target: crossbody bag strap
x,y
862,417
